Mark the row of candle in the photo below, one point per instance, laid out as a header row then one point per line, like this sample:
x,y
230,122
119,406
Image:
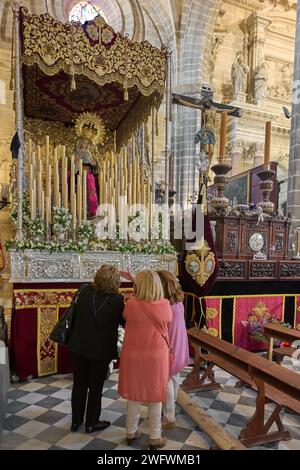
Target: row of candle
x,y
52,184
123,176
48,185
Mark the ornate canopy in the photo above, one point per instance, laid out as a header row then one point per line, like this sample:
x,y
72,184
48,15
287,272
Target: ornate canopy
x,y
69,69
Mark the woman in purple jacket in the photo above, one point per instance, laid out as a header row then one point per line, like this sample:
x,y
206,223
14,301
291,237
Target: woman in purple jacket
x,y
179,343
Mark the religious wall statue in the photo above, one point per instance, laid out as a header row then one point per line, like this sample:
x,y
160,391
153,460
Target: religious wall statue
x,y
239,72
260,80
90,133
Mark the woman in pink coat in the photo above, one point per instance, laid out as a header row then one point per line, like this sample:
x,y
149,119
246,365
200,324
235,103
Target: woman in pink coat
x,y
144,361
178,342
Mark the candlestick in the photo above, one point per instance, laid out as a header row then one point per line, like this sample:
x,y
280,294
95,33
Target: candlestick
x,y
84,196
267,143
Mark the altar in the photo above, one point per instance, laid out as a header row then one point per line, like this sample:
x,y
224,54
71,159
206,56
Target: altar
x,y
84,183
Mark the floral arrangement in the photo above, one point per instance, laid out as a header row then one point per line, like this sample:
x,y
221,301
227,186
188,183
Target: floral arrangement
x,y
84,231
25,210
98,245
161,247
257,319
61,219
36,228
52,246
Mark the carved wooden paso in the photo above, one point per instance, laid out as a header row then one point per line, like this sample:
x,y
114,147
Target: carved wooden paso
x,y
272,382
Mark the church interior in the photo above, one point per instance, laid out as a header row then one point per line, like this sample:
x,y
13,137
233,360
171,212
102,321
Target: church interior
x,y
156,142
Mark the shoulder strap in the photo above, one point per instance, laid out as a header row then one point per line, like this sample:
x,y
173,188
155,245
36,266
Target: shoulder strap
x,y
154,324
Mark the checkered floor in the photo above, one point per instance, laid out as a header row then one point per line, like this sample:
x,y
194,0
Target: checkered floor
x,y
39,417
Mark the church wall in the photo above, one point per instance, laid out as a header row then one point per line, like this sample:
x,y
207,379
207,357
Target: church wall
x,y
269,33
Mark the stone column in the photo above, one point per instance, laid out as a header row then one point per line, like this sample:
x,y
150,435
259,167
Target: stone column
x,y
257,26
294,153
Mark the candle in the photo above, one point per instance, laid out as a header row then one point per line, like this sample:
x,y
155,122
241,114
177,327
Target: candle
x,y
47,147
43,206
115,141
48,211
72,178
63,151
74,210
56,183
48,181
30,150
79,199
39,186
64,182
84,196
267,143
39,152
80,168
33,201
223,131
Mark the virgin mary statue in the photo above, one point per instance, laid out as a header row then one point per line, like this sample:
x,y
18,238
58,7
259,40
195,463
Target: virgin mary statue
x,y
90,132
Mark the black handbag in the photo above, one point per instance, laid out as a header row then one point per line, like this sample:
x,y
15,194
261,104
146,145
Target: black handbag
x,y
62,331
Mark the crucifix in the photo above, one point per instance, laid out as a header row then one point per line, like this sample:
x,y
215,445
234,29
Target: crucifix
x,y
206,135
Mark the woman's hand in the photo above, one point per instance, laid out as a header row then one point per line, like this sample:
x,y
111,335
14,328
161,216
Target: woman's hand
x,y
127,276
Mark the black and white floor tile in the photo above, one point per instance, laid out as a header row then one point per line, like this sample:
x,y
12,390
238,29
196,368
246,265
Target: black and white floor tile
x,y
39,417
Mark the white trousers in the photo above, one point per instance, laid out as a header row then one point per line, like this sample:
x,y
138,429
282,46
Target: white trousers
x,y
170,403
133,416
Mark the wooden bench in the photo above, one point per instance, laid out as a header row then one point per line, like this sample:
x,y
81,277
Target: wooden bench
x,y
271,331
272,382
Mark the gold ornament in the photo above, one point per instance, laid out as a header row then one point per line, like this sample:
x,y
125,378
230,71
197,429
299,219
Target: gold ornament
x,y
91,127
200,264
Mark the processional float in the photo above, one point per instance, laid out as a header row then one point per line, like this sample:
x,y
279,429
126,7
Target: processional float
x,y
86,102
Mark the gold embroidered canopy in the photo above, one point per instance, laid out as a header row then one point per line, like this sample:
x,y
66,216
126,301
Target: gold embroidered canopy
x,y
69,69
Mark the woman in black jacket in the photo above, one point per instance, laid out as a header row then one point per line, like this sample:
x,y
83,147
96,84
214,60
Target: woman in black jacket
x,y
93,345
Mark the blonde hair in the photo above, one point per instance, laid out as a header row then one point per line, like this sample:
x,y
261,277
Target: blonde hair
x,y
107,279
171,286
148,286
